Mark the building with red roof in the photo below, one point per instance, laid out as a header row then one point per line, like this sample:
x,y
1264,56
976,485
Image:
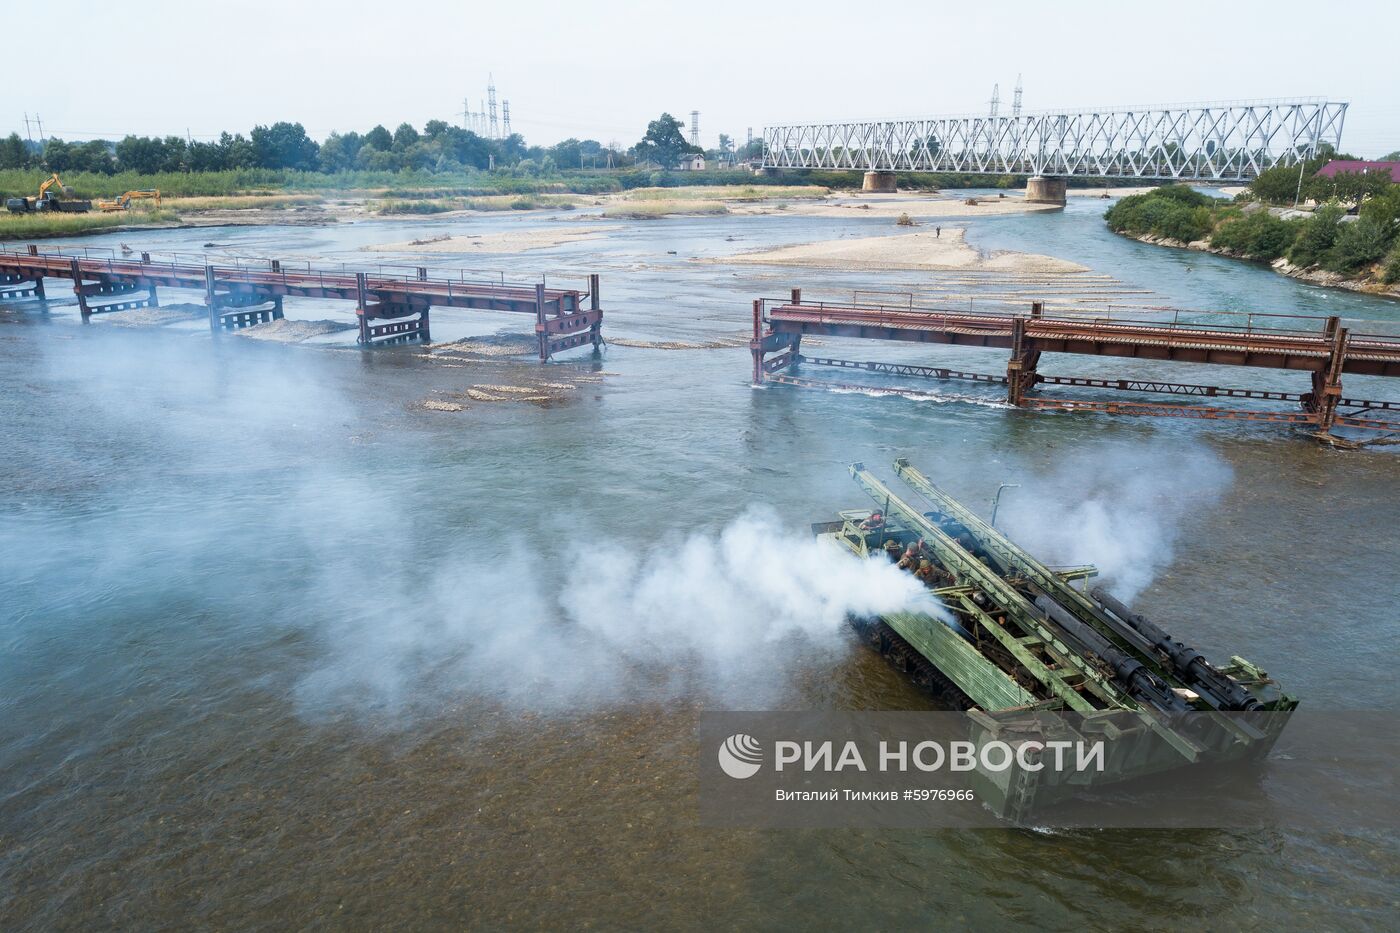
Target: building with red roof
x,y
1357,167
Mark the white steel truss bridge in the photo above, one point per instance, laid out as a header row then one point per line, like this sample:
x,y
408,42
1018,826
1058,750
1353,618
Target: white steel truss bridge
x,y
1232,141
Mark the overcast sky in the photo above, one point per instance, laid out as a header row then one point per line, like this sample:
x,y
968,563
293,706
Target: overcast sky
x,y
603,69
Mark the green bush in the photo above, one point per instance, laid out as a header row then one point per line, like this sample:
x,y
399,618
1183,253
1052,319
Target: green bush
x,y
1183,194
1173,211
1358,245
1391,271
1259,235
1316,237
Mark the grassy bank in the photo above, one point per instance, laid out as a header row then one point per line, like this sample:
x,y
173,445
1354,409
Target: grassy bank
x,y
500,202
727,193
1365,248
653,210
37,226
243,203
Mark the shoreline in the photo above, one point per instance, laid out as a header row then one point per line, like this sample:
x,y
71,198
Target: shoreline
x,y
1319,277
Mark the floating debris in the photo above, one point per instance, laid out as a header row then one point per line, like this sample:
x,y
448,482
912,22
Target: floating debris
x,y
287,331
155,317
433,404
724,344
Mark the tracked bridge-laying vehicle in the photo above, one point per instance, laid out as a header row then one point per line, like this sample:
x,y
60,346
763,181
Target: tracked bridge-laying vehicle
x,y
1025,651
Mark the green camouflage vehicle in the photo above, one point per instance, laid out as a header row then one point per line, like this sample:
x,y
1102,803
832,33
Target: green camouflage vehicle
x,y
1028,654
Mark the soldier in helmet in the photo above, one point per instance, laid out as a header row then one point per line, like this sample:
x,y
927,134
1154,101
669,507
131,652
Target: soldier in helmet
x,y
910,560
926,572
892,550
875,522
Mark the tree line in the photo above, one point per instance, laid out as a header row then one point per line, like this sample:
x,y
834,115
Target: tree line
x,y
439,147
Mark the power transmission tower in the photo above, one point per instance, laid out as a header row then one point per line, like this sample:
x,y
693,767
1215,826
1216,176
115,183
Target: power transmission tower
x,y
27,134
505,117
466,114
491,97
1016,100
996,99
695,127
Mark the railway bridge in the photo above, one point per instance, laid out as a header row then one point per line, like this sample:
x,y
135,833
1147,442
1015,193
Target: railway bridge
x,y
1217,142
1320,347
392,304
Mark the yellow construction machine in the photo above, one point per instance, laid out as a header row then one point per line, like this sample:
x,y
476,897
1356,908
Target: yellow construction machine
x,y
123,203
48,201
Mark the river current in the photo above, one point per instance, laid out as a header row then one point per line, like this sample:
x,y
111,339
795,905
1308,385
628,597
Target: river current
x,y
279,646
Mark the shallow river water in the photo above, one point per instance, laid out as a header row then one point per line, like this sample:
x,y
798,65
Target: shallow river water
x,y
280,647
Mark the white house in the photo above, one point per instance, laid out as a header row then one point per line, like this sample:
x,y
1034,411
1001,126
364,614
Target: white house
x,y
691,162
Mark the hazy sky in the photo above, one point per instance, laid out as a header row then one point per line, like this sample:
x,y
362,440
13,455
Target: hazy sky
x,y
603,69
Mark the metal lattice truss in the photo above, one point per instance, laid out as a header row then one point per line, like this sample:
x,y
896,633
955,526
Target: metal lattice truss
x,y
1224,142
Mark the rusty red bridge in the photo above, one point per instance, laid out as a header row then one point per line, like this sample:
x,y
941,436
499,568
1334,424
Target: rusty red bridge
x,y
1318,346
392,304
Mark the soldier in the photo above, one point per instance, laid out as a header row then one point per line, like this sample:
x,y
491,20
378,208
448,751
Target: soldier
x,y
892,550
910,560
875,522
926,572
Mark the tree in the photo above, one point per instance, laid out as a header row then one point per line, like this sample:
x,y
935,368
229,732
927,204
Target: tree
x,y
284,145
13,154
434,128
566,154
338,152
379,138
95,155
1317,236
236,152
1358,244
58,155
664,143
1391,156
404,137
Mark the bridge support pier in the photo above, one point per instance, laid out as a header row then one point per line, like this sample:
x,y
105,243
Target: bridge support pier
x,y
1046,189
16,286
1327,382
1020,369
879,183
764,343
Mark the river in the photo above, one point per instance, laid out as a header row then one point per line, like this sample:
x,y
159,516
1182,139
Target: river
x,y
280,647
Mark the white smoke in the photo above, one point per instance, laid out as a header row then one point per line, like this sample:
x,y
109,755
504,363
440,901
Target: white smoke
x,y
714,616
1123,511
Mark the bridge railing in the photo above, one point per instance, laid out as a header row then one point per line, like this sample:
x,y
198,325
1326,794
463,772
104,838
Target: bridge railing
x,y
1243,323
287,272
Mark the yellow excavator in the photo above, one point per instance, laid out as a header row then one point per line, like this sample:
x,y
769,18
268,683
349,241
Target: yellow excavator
x,y
123,203
48,201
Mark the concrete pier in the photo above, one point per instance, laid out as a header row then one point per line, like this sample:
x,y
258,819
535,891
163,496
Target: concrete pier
x,y
1046,189
879,182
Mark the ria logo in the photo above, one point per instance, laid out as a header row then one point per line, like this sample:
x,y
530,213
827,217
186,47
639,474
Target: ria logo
x,y
740,756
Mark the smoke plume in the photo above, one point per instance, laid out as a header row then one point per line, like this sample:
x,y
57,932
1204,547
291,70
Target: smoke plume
x,y
1123,511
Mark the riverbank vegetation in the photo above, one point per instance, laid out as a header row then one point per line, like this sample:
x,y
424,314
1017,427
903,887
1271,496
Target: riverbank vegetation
x,y
653,210
1363,246
38,226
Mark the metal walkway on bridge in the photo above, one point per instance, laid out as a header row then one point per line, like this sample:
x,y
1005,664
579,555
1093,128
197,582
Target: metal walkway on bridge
x,y
1319,346
249,292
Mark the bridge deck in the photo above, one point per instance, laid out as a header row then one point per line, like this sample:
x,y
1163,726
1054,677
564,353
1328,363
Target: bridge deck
x,y
1374,355
1318,346
562,320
